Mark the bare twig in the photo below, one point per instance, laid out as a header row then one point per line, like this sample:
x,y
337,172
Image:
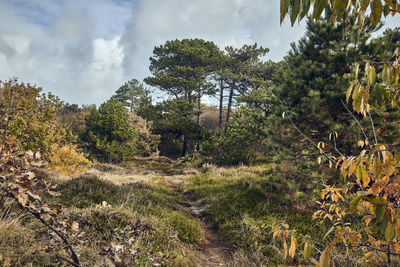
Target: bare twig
x,y
373,128
354,117
67,260
335,146
305,136
68,246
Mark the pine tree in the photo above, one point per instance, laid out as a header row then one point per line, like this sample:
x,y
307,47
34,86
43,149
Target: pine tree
x,y
239,73
312,82
181,68
109,133
134,96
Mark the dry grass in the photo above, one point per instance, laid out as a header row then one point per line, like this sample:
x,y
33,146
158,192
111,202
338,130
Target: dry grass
x,y
120,177
144,222
149,223
18,240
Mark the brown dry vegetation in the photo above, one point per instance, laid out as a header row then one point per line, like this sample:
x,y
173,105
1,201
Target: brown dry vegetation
x,y
123,214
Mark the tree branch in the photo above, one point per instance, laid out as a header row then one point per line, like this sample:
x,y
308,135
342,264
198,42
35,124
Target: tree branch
x,y
354,117
60,235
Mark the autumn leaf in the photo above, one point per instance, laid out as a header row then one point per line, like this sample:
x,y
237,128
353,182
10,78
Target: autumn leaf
x,y
293,247
23,199
276,234
285,249
307,251
325,259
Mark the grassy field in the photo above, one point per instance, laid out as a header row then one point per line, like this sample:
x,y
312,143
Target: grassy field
x,y
165,213
248,203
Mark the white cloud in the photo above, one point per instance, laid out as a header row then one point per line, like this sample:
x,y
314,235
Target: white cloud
x,y
225,22
83,51
19,43
105,71
70,48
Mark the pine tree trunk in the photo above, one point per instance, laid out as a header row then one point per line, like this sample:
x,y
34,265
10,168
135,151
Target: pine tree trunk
x,y
198,116
188,98
185,146
228,113
198,106
221,102
131,105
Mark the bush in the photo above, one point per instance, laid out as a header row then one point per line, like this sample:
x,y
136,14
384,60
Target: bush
x,y
109,133
147,141
68,160
241,141
30,116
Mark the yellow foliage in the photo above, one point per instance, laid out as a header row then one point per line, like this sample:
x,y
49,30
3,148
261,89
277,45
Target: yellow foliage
x,y
147,142
293,246
276,233
68,160
307,251
325,258
372,184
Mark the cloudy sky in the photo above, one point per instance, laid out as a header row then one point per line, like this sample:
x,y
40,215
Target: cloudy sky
x,y
83,50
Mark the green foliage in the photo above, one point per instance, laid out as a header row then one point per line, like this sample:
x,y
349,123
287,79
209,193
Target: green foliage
x,y
311,83
243,68
179,67
241,141
241,72
134,96
176,126
109,133
370,187
30,116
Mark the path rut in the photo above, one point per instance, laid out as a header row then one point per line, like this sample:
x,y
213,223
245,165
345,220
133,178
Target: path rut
x,y
215,251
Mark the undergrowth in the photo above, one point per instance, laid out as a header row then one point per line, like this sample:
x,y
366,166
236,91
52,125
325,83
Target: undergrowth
x,y
131,213
138,220
248,203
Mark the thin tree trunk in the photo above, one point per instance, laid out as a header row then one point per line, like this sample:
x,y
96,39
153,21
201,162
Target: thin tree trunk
x,y
198,116
199,106
185,146
131,104
221,102
228,113
189,97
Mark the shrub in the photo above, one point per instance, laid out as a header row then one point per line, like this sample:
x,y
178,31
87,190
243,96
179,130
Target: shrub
x,y
240,143
109,133
30,116
148,142
68,160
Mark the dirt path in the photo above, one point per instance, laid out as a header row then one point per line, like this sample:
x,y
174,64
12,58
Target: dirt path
x,y
215,251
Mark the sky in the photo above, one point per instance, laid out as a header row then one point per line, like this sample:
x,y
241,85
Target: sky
x,y
84,50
